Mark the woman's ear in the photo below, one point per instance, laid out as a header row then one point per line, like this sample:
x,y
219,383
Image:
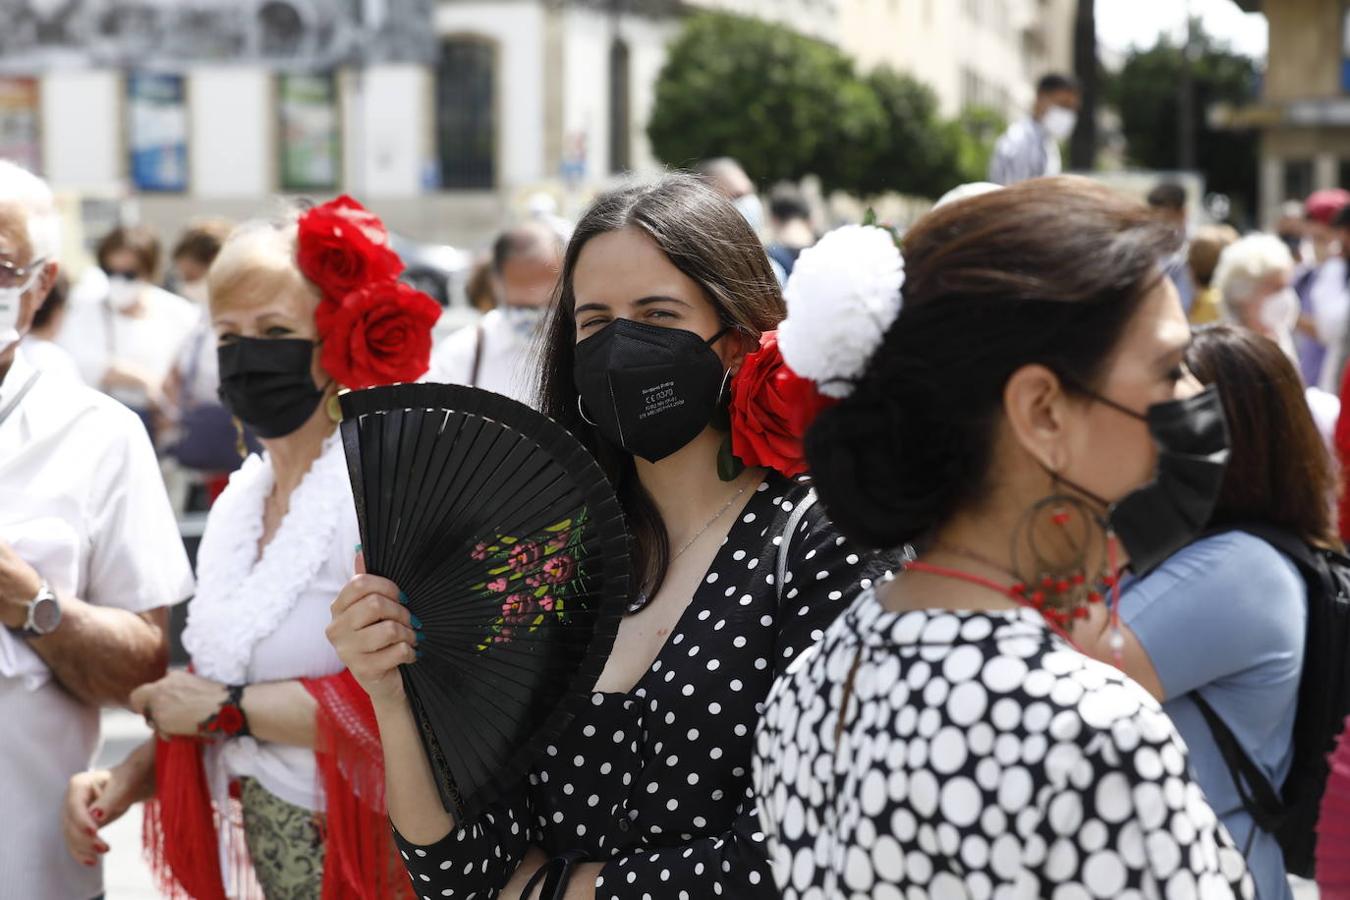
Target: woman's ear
x,y
736,346
1035,404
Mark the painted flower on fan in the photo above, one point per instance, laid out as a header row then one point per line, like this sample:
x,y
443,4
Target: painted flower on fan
x,y
560,569
379,334
523,556
498,585
519,608
843,296
341,247
546,603
480,552
771,408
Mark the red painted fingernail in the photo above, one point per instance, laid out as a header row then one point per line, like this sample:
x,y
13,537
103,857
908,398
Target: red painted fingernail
x,y
91,832
90,862
98,815
101,848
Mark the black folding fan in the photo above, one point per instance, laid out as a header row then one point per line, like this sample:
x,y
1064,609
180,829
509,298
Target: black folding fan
x,y
511,548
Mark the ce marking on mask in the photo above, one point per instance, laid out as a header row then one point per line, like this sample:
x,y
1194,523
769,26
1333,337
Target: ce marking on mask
x,y
659,399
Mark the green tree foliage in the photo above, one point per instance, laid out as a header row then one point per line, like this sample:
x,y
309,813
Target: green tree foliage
x,y
1145,93
787,106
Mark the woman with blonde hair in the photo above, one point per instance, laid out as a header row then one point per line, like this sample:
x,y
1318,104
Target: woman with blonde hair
x,y
266,736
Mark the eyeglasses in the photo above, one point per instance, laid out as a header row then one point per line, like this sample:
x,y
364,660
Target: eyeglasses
x,y
12,276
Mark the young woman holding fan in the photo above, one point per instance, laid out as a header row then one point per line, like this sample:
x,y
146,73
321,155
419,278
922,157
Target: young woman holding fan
x,y
1024,419
266,735
660,358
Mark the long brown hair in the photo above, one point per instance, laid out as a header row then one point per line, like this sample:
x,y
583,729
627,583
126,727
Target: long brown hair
x,y
704,236
1049,271
1279,471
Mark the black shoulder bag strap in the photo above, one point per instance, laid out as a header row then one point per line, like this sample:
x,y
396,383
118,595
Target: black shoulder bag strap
x,y
1254,789
1259,798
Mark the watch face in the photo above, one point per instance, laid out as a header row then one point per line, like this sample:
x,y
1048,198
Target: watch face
x,y
46,615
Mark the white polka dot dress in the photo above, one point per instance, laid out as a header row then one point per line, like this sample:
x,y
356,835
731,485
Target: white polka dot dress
x,y
656,782
979,756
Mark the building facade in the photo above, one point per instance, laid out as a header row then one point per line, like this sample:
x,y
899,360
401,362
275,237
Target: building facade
x,y
972,52
1304,110
444,115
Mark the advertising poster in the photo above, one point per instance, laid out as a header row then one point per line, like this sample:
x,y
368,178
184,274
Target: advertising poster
x,y
157,130
310,154
20,136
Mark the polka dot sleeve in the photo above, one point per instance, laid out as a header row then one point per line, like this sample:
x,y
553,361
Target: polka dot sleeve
x,y
1122,824
473,862
823,574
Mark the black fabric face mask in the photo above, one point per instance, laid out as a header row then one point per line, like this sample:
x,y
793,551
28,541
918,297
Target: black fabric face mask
x,y
268,384
649,390
1158,519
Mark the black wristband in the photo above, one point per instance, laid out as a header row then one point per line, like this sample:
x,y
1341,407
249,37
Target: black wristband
x,y
559,874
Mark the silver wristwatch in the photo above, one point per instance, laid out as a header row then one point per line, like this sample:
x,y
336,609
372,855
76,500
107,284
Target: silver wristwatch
x,y
44,613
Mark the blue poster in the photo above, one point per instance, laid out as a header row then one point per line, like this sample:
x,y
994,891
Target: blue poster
x,y
157,126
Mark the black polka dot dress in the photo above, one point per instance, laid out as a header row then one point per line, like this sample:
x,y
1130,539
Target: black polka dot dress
x,y
979,756
656,782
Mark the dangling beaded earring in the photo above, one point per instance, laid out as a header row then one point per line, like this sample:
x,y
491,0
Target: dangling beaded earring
x,y
1058,533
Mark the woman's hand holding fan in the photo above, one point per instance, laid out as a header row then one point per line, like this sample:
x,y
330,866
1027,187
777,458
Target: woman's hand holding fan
x,y
373,635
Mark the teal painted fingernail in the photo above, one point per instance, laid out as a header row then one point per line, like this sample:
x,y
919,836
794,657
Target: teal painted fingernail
x,y
403,598
420,636
358,548
416,622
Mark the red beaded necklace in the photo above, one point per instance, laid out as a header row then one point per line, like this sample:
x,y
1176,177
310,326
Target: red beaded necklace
x,y
1034,597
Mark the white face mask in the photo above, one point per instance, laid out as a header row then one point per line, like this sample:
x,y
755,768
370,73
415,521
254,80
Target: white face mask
x,y
123,292
525,321
1279,311
1060,122
752,208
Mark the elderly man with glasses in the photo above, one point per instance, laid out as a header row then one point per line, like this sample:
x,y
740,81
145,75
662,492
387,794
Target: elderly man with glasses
x,y
90,559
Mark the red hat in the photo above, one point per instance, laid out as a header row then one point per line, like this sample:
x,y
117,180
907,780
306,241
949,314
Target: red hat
x,y
1322,206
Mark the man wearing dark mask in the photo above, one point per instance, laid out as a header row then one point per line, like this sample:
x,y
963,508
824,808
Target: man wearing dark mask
x,y
90,559
496,355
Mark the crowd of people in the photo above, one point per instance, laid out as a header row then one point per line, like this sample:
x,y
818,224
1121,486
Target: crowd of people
x,y
935,634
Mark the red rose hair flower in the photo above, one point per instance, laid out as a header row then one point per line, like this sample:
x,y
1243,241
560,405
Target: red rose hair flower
x,y
379,334
771,408
342,247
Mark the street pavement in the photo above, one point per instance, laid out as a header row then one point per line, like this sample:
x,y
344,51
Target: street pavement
x,y
126,876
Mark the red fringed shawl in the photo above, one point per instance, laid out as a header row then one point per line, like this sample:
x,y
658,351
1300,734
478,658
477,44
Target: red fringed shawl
x,y
183,829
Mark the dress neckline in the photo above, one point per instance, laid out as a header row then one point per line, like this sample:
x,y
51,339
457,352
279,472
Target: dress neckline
x,y
759,502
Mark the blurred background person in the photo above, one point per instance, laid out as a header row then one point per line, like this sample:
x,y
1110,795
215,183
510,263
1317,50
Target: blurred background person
x,y
1329,303
199,433
40,345
728,178
1030,147
123,331
478,287
1290,229
496,355
1316,245
1202,257
1253,281
1168,202
790,229
1245,596
192,256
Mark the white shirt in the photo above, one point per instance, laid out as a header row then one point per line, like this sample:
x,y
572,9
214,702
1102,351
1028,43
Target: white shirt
x,y
263,618
95,335
51,358
82,501
508,364
1025,151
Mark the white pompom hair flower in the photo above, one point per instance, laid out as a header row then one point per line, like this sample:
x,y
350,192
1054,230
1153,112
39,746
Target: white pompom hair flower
x,y
843,296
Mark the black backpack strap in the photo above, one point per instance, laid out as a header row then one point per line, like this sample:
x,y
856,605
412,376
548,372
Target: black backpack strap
x,y
1258,797
1307,560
